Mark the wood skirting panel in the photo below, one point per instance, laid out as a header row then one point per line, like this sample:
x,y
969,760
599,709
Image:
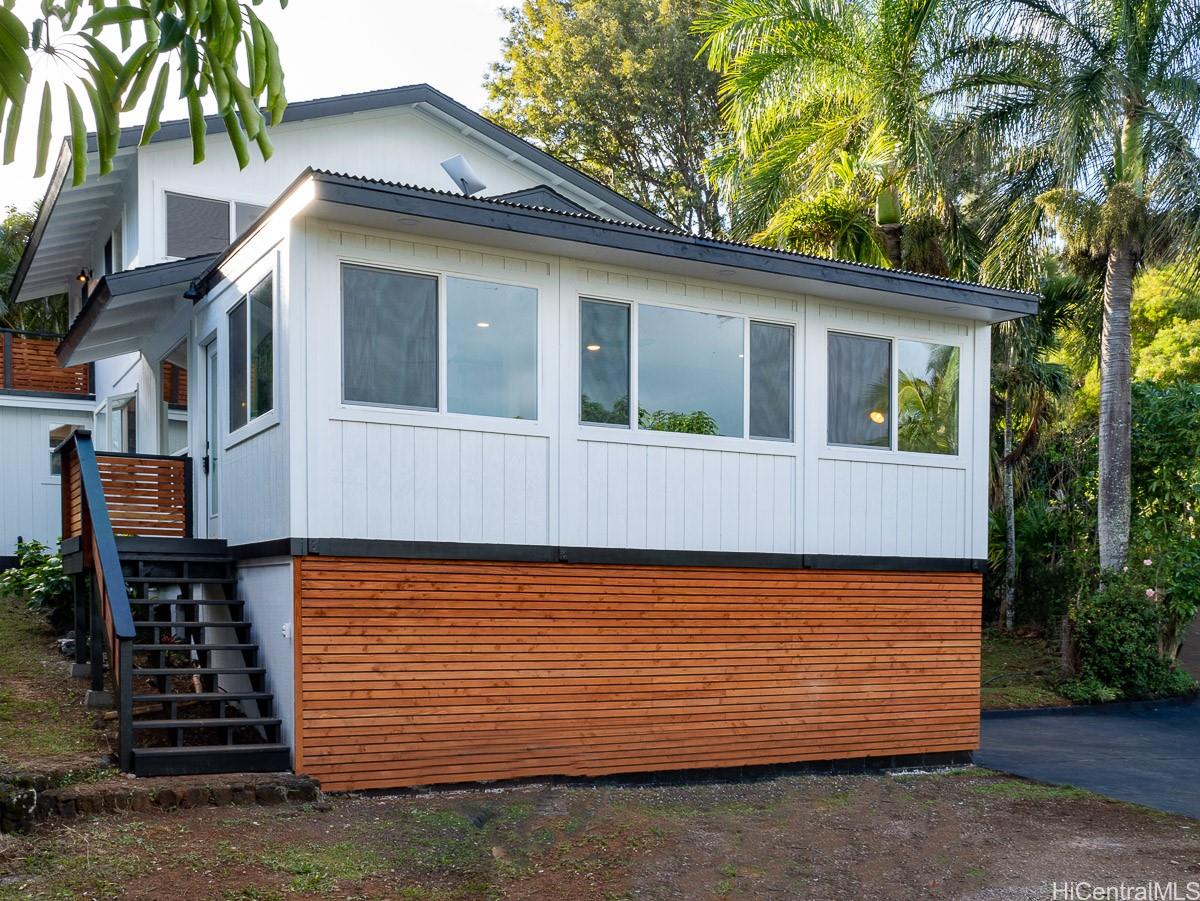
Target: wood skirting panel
x,y
415,672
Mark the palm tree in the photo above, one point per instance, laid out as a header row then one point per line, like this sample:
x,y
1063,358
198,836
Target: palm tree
x,y
1028,383
809,85
1096,104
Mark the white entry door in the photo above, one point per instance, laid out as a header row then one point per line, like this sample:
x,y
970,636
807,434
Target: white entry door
x,y
211,463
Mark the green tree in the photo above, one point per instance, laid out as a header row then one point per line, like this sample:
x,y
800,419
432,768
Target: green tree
x,y
812,86
1166,325
614,86
47,315
220,47
1093,105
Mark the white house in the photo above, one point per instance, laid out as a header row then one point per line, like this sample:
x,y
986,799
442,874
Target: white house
x,y
519,483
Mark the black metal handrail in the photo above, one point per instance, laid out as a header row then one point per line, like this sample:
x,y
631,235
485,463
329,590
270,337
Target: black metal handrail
x,y
108,587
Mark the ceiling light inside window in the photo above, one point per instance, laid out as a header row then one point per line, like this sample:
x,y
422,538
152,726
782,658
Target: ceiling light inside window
x,y
876,417
483,324
593,347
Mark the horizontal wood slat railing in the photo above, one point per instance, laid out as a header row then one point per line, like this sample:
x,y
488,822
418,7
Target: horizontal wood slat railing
x,y
148,496
86,512
28,363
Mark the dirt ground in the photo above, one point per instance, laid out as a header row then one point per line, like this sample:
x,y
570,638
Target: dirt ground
x,y
958,834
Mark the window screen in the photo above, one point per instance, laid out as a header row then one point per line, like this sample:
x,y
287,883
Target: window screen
x,y
927,386
690,371
491,349
196,225
604,362
859,390
389,338
770,380
244,215
237,366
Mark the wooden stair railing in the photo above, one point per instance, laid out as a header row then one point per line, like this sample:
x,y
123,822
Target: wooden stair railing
x,y
85,514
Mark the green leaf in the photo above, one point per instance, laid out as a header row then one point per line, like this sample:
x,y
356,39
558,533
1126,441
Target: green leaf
x,y
237,138
115,15
141,80
78,139
35,35
45,129
197,127
12,128
105,146
154,114
172,32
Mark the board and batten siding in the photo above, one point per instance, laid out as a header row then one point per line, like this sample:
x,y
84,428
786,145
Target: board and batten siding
x,y
416,672
388,473
30,497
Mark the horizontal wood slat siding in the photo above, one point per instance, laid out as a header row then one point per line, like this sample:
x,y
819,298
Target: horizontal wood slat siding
x,y
35,368
415,672
145,496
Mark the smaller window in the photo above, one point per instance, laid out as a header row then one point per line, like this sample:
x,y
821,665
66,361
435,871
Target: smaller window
x,y
244,215
927,385
108,256
859,395
604,362
196,225
251,355
770,381
58,434
122,424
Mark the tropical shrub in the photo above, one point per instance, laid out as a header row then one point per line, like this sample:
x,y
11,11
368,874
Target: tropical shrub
x,y
39,582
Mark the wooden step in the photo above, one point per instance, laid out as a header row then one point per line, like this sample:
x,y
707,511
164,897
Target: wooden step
x,y
199,671
218,723
190,624
183,646
201,759
181,697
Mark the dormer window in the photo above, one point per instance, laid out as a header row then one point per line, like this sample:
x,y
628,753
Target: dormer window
x,y
199,225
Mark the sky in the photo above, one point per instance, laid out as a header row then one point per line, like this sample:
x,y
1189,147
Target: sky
x,y
327,47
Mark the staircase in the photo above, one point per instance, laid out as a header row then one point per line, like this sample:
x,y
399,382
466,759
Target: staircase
x,y
166,630
199,700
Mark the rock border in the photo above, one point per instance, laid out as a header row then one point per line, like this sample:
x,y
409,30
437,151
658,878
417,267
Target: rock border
x,y
29,798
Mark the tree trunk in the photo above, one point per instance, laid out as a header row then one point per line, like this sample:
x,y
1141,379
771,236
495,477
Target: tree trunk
x,y
1010,521
892,244
1115,408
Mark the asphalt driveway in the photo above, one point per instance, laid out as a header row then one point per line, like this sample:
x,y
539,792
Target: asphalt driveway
x,y
1145,753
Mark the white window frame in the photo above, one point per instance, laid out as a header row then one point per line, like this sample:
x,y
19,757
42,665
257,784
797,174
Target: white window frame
x,y
111,405
266,419
634,359
893,448
443,386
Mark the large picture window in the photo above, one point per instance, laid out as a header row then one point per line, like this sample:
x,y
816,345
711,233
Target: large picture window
x,y
389,338
693,374
862,395
252,355
392,344
491,349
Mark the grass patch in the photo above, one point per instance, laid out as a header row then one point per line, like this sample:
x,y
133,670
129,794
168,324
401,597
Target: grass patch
x,y
1018,790
321,869
1018,671
41,717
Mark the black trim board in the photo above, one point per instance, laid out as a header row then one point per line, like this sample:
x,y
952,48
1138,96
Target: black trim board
x,y
547,553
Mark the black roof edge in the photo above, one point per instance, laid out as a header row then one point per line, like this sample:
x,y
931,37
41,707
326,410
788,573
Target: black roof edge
x,y
303,110
131,281
587,229
526,195
57,179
